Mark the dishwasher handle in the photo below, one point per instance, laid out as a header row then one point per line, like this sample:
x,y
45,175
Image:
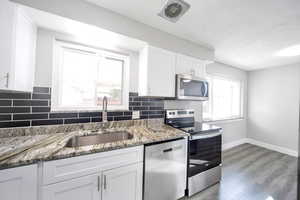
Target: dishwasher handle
x,y
173,149
167,150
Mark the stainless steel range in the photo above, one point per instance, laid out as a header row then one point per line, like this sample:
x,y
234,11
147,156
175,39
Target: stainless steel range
x,y
204,150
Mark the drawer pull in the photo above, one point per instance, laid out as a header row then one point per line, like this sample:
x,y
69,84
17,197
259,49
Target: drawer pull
x,y
98,184
104,182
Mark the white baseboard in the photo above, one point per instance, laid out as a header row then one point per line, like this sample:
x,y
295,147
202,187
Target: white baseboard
x,y
233,144
273,147
261,144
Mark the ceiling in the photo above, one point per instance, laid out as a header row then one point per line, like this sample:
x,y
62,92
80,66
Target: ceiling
x,y
245,34
81,32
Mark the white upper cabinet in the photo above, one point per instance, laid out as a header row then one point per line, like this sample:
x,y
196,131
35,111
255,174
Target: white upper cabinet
x,y
190,65
7,12
17,49
19,183
157,72
24,52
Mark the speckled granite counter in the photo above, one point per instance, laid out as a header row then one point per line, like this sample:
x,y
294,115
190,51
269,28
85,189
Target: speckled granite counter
x,y
21,146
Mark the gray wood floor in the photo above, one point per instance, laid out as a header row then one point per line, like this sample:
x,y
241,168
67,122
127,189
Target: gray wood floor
x,y
254,173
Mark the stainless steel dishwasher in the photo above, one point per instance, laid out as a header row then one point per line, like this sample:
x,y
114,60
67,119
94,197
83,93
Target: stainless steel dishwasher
x,y
165,170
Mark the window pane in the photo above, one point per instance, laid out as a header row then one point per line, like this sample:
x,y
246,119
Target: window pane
x,y
225,100
236,99
79,71
110,81
222,99
85,75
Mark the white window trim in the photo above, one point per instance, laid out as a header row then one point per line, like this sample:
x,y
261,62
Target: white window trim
x,y
242,96
56,76
224,121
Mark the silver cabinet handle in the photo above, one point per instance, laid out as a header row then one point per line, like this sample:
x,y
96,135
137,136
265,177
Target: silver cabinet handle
x,y
104,182
7,80
6,77
98,184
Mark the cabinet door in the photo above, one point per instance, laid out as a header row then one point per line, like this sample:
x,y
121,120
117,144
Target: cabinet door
x,y
161,72
19,183
189,65
24,57
7,12
85,188
123,183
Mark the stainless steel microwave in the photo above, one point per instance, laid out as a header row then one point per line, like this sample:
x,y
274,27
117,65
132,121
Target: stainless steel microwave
x,y
189,87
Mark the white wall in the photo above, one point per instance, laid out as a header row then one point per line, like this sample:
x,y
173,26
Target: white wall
x,y
273,106
234,130
85,12
44,57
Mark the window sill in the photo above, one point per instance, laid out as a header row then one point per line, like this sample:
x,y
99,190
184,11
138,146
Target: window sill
x,y
223,121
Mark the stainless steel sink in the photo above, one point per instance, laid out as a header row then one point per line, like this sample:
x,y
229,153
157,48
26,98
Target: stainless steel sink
x,y
78,141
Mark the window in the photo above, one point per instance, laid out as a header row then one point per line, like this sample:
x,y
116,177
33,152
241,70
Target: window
x,y
226,99
83,76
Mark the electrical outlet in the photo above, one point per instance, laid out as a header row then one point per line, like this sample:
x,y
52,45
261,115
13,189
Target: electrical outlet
x,y
135,114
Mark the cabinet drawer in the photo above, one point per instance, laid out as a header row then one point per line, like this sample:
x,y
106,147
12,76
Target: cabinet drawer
x,y
69,168
87,188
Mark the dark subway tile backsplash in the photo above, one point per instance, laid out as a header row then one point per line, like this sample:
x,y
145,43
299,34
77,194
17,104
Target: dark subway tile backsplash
x,y
44,90
30,103
14,110
96,119
133,94
21,109
41,96
127,113
90,114
5,102
113,114
119,118
29,116
75,121
47,122
10,124
14,95
63,115
41,109
5,117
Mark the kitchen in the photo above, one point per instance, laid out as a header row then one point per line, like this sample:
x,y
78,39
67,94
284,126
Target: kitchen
x,y
96,105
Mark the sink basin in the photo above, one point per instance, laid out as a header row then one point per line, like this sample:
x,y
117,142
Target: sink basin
x,y
78,141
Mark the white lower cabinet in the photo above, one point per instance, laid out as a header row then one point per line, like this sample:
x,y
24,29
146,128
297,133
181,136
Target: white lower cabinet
x,y
84,188
123,183
19,183
109,175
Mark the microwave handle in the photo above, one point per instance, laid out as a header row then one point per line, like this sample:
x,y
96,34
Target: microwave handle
x,y
206,89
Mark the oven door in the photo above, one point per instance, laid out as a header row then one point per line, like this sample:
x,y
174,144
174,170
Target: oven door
x,y
191,88
205,152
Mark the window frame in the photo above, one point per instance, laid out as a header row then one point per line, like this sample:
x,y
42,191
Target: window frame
x,y
209,77
59,47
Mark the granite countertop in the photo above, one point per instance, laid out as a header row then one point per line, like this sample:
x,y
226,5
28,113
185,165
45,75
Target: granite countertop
x,y
22,146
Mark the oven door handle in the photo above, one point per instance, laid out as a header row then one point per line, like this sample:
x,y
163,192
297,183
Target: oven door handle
x,y
205,136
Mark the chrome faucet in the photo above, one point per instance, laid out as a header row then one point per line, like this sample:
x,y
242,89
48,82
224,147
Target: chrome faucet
x,y
104,109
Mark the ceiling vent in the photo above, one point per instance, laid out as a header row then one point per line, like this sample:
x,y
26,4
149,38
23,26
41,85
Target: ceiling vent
x,y
173,10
